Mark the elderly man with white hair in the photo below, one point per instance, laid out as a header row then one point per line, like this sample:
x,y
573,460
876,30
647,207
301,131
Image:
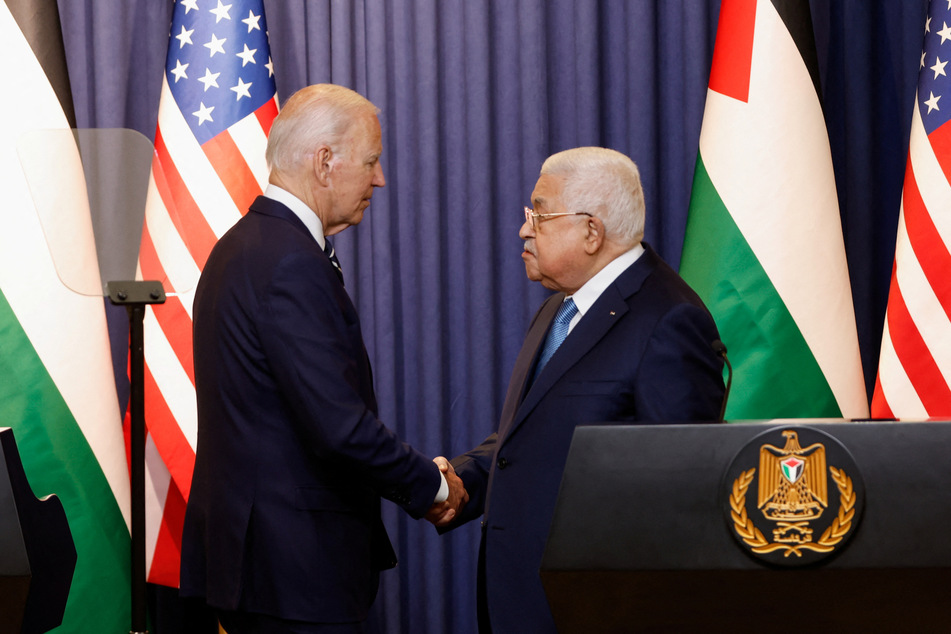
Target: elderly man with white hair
x,y
623,340
283,529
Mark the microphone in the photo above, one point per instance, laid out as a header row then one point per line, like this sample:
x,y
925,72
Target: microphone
x,y
720,348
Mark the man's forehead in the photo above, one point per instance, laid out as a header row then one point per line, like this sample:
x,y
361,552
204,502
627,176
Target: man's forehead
x,y
365,136
547,190
363,124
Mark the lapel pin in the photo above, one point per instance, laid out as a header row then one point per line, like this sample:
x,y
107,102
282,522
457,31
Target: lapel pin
x,y
612,313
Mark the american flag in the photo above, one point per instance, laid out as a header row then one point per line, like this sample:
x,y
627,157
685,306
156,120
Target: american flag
x,y
217,104
914,372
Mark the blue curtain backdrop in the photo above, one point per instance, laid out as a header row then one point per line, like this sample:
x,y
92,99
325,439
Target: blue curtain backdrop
x,y
474,95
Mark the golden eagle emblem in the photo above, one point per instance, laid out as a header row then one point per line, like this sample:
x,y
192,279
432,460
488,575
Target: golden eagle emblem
x,y
792,487
789,492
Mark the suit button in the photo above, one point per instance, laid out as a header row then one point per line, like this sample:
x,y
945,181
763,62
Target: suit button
x,y
502,463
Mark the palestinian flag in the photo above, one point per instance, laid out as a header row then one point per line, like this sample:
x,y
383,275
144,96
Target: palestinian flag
x,y
763,244
57,387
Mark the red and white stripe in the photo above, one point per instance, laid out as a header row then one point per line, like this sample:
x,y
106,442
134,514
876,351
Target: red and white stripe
x,y
914,374
196,193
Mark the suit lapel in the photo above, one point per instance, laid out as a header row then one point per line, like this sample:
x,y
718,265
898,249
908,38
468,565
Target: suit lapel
x,y
525,362
584,336
597,321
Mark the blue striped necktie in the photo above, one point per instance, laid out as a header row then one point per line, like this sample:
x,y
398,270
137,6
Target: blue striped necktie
x,y
557,333
329,250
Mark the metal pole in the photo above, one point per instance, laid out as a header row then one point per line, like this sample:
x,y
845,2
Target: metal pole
x,y
137,410
135,296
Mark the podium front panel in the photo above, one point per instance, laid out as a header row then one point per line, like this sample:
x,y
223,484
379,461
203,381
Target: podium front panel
x,y
640,538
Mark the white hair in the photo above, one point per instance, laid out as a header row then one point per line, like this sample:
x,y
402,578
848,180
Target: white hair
x,y
605,184
317,115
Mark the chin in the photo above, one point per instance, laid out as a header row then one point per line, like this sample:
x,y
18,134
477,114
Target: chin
x,y
531,271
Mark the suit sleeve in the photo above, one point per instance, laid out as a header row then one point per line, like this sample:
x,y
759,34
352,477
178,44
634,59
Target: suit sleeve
x,y
680,378
473,467
312,341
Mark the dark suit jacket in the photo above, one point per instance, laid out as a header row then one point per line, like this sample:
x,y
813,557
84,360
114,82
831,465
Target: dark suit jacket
x,y
641,354
283,516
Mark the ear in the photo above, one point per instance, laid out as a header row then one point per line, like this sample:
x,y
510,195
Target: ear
x,y
323,164
594,239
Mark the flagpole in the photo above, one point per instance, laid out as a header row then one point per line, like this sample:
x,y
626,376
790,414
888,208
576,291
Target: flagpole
x,y
135,295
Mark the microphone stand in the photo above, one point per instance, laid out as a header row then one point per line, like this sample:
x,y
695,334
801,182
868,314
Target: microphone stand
x,y
720,348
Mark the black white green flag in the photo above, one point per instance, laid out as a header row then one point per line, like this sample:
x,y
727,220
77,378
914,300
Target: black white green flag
x,y
763,246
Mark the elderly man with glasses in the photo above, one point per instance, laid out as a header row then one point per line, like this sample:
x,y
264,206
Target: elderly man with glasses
x,y
623,339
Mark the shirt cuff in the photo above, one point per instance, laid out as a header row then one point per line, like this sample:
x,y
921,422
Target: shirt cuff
x,y
443,493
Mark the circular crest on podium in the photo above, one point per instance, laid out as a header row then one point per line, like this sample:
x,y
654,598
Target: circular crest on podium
x,y
793,496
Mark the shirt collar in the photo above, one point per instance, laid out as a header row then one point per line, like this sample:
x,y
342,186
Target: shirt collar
x,y
587,295
300,209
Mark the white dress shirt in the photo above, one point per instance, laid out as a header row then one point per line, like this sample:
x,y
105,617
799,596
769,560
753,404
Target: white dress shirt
x,y
587,295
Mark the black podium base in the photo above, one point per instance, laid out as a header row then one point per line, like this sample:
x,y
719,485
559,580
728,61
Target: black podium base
x,y
793,601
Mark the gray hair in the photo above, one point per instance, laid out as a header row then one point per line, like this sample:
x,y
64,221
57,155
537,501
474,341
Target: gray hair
x,y
316,115
605,184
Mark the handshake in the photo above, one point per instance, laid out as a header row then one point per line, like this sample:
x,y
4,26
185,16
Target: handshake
x,y
442,513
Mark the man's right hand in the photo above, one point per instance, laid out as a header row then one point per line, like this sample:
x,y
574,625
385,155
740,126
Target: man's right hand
x,y
443,513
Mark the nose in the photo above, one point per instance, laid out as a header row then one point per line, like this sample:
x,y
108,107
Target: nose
x,y
526,231
378,179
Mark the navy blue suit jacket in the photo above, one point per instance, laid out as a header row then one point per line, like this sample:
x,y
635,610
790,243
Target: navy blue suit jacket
x,y
283,516
641,354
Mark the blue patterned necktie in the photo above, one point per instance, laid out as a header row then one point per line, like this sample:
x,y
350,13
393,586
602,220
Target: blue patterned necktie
x,y
329,250
557,333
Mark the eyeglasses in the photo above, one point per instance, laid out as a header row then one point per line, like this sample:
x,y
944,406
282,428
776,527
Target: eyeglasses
x,y
531,216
